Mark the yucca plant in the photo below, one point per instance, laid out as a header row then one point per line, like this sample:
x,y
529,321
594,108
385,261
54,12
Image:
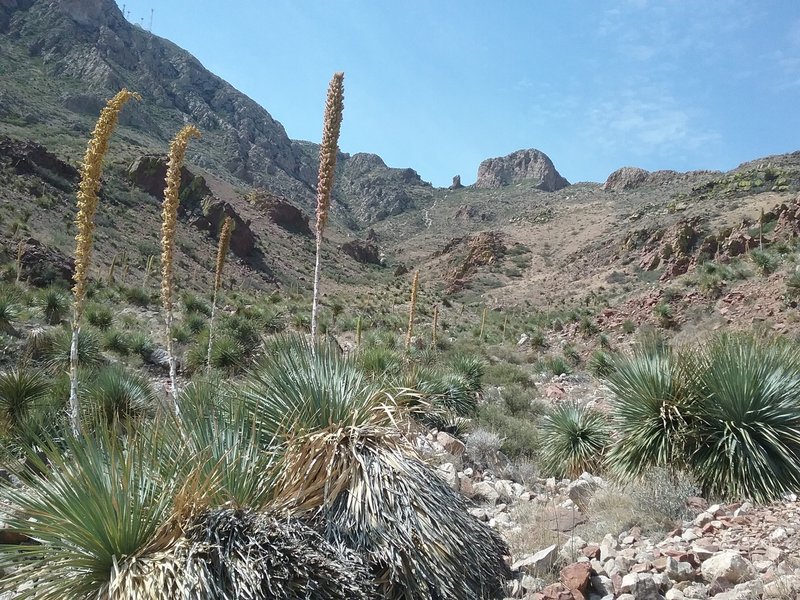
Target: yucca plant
x,y
9,310
169,220
59,357
328,151
601,363
575,438
652,411
746,428
95,506
88,198
472,368
54,305
345,458
118,397
21,390
222,250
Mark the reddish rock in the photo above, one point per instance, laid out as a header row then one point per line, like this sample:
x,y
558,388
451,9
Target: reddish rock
x,y
576,577
591,552
557,591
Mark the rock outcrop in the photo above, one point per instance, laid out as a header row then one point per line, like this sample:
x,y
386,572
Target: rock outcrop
x,y
629,178
470,253
522,165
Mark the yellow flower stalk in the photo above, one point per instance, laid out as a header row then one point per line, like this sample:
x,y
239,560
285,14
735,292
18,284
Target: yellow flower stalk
x,y
414,289
88,198
334,106
434,325
222,251
169,220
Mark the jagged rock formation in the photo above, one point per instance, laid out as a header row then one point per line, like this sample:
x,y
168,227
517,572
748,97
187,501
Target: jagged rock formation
x,y
374,191
469,254
519,166
456,185
628,178
198,203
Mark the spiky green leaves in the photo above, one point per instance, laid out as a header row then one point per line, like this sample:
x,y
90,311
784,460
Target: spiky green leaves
x,y
575,438
729,411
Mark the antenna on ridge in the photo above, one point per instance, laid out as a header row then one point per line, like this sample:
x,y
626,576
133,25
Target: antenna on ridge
x,y
150,28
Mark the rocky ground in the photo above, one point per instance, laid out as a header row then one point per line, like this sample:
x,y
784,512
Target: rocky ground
x,y
726,551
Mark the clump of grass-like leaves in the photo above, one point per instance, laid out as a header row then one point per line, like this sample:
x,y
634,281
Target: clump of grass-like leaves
x,y
651,411
729,411
746,422
346,458
21,390
119,396
575,438
89,352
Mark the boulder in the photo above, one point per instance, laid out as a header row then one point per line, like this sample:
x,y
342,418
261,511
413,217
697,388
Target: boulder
x,y
576,577
363,251
727,568
43,265
485,491
538,563
450,444
641,585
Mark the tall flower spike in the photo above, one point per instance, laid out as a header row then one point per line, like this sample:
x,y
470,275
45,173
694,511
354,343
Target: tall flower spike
x,y
414,290
222,250
169,219
88,190
334,106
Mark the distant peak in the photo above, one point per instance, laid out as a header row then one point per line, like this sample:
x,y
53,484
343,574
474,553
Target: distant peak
x,y
530,164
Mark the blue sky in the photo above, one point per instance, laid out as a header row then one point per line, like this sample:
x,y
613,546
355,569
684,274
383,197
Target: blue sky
x,y
439,85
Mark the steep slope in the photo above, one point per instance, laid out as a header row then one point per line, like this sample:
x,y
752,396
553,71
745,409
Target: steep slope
x,y
88,51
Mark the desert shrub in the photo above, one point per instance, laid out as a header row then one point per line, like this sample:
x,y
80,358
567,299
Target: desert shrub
x,y
137,296
601,363
471,367
628,326
21,391
378,361
193,304
117,341
507,374
520,437
571,353
195,322
273,320
664,314
793,285
765,261
99,316
574,438
89,349
142,345
118,396
483,446
557,365
54,304
746,426
180,333
662,494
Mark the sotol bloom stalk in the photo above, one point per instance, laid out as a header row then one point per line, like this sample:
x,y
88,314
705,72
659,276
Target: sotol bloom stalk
x,y
169,216
414,290
88,191
334,106
222,251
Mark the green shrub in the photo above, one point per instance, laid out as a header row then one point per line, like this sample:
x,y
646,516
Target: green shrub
x,y
227,354
765,261
472,368
142,345
117,341
793,285
628,326
21,390
746,426
54,305
574,439
195,322
137,296
58,352
601,363
193,304
99,316
118,396
557,365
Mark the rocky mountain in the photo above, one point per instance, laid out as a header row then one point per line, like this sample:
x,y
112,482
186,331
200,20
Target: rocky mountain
x,y
89,48
521,165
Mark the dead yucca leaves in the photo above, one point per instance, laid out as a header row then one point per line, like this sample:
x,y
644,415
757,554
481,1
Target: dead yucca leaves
x,y
169,220
222,251
334,106
88,198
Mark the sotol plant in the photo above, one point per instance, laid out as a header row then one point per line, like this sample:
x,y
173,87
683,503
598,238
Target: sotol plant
x,y
334,107
169,214
412,309
88,198
222,250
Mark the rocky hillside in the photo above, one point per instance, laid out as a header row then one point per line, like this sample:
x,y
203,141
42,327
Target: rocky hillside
x,y
88,51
